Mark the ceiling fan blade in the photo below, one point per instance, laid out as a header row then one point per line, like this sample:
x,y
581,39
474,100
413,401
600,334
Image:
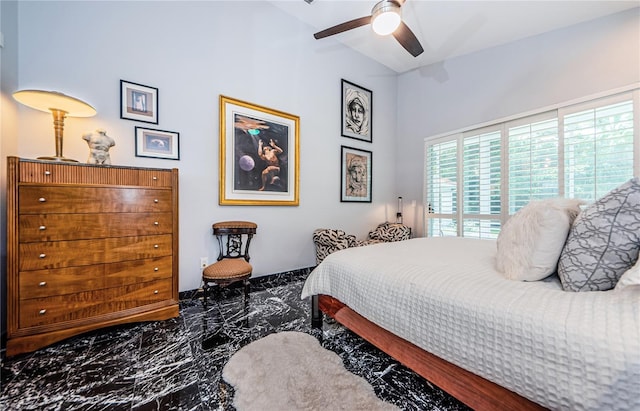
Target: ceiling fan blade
x,y
342,27
408,40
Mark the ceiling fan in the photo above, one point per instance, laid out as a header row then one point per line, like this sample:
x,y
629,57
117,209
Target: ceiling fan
x,y
385,19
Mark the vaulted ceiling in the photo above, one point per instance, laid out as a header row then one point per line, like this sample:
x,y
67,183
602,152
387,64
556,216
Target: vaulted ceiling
x,y
447,29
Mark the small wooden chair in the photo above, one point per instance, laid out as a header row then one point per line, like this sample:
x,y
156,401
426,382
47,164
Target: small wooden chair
x,y
233,265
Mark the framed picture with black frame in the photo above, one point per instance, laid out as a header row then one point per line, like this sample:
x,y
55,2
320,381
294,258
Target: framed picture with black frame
x,y
356,111
157,143
355,175
138,102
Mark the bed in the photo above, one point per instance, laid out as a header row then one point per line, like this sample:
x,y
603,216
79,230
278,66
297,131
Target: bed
x,y
439,306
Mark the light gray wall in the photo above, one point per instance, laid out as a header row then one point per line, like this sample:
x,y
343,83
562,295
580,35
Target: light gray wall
x,y
193,52
533,73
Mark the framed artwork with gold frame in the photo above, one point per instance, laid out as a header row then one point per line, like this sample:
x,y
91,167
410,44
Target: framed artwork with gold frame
x,y
259,155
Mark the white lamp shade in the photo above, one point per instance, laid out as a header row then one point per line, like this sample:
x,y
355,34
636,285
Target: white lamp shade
x,y
52,100
386,17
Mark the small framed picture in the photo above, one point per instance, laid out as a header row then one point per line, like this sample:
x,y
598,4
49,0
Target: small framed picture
x,y
157,143
355,175
138,102
357,104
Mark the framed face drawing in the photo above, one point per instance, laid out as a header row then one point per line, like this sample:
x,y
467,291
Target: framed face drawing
x,y
355,175
259,155
357,104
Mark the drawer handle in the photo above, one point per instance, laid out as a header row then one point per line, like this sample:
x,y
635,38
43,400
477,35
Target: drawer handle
x,y
42,199
155,200
47,173
43,255
42,283
156,223
155,178
42,312
155,291
42,227
155,269
156,246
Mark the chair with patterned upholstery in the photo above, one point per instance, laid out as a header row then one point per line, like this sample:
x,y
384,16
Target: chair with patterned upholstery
x,y
389,232
329,241
232,265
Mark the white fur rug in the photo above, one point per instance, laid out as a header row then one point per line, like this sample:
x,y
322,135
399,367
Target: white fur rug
x,y
291,371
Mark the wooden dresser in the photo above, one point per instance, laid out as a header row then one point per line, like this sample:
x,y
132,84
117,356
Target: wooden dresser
x,y
87,247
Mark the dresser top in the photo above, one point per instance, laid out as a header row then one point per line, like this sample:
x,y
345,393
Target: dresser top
x,y
74,164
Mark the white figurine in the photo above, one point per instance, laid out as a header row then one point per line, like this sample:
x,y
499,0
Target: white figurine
x,y
99,144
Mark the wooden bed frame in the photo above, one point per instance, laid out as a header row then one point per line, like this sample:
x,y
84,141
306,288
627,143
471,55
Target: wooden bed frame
x,y
473,390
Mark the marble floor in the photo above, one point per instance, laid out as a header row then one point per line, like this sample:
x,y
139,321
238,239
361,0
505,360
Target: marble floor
x,y
176,364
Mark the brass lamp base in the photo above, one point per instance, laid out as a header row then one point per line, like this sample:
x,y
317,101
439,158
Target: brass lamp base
x,y
53,158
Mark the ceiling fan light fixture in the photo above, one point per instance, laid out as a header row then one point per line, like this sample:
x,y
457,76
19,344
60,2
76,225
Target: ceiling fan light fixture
x,y
385,17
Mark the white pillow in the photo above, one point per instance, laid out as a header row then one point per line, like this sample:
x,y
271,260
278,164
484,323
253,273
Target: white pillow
x,y
530,242
630,277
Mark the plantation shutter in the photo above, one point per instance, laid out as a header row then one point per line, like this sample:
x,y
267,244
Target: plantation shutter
x,y
476,179
442,188
532,160
598,148
481,165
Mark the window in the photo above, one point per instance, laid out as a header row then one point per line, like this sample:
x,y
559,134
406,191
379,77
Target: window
x,y
578,151
481,169
532,161
442,183
598,150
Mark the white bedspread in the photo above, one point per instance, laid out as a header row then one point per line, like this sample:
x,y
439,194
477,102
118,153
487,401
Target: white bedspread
x,y
563,350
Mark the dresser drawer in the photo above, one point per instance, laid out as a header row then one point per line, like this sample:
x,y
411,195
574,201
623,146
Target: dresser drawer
x,y
47,283
139,294
34,172
61,308
55,227
59,254
139,271
35,199
70,307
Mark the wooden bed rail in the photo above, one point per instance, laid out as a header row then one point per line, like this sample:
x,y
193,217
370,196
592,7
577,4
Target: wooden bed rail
x,y
471,389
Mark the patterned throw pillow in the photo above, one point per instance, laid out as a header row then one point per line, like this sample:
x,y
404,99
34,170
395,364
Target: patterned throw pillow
x,y
604,241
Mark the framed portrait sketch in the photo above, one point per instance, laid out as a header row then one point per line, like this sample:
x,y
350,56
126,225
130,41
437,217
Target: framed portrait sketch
x,y
259,155
138,102
357,103
355,175
157,143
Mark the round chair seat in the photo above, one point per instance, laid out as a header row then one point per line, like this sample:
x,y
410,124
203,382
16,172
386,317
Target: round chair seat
x,y
227,269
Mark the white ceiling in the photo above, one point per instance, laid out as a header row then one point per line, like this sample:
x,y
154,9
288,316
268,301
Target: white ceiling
x,y
447,28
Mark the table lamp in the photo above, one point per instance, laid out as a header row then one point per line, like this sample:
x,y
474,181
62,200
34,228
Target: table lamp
x,y
61,106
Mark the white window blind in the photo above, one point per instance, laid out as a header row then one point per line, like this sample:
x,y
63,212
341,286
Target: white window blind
x,y
442,183
533,160
578,151
481,165
598,150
